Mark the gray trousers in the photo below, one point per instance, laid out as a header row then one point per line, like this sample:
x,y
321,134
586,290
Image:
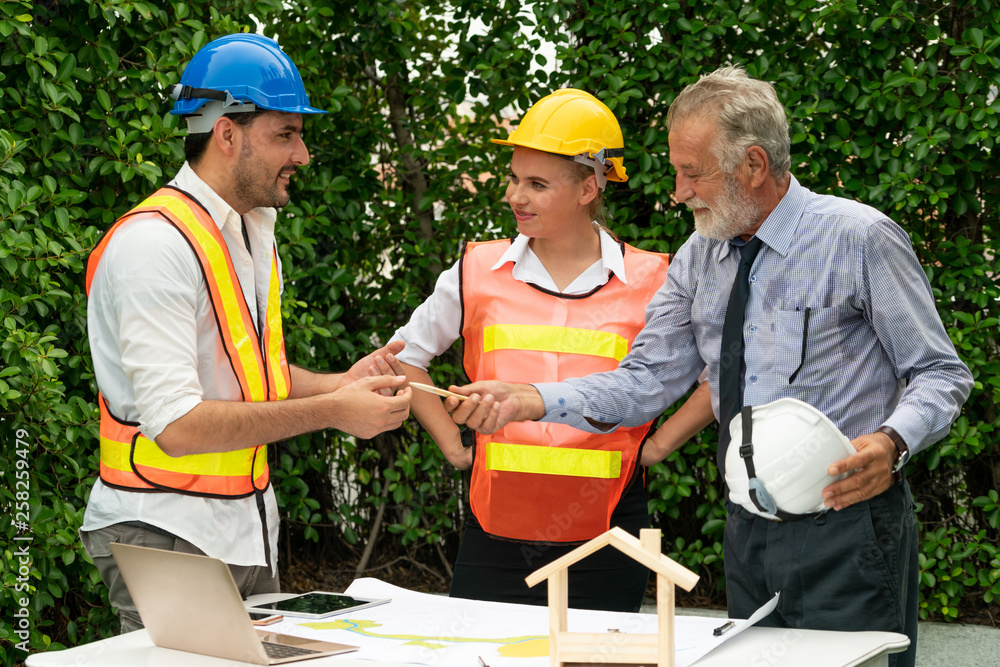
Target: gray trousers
x,y
250,580
855,569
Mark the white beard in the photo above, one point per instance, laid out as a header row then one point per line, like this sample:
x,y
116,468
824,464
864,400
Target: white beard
x,y
733,213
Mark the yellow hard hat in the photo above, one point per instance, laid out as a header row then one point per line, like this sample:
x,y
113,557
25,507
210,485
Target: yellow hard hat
x,y
573,122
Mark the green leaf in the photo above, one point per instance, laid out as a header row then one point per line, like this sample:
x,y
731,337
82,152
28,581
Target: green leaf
x,y
14,198
104,99
843,128
851,93
977,37
66,67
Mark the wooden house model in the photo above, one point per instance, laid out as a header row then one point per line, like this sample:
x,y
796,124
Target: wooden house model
x,y
615,647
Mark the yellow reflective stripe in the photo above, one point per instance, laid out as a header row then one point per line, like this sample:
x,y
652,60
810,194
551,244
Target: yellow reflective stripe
x,y
115,455
227,292
553,460
260,461
547,338
274,337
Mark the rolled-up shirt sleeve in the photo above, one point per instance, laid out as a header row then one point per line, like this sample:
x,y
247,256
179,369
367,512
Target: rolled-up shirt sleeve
x,y
153,280
662,365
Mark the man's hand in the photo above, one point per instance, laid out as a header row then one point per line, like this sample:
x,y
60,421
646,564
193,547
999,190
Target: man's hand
x,y
380,362
223,426
363,411
492,405
872,475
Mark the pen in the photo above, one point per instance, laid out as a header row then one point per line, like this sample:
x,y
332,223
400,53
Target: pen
x,y
723,629
430,389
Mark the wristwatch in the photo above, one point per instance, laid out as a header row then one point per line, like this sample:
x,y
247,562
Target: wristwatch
x,y
901,448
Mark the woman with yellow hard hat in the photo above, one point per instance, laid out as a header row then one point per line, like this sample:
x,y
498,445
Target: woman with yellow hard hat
x,y
562,299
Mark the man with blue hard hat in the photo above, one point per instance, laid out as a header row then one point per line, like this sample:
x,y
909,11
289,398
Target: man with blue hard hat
x,y
184,320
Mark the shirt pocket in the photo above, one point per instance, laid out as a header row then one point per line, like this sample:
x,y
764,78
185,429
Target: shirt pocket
x,y
809,343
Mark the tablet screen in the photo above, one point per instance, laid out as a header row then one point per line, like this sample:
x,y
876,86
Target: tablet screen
x,y
318,603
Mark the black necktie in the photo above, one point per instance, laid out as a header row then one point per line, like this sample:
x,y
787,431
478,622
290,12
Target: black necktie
x,y
731,357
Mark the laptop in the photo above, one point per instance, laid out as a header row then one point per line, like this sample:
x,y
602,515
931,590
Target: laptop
x,y
190,603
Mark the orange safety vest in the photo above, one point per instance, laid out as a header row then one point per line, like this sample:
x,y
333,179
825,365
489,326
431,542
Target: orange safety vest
x,y
537,481
131,461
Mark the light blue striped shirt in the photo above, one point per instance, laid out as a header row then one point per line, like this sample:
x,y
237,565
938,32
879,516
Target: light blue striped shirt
x,y
876,352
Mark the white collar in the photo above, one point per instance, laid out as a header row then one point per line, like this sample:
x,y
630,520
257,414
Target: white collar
x,y
612,260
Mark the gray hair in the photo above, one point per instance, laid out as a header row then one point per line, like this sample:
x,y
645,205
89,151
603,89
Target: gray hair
x,y
748,114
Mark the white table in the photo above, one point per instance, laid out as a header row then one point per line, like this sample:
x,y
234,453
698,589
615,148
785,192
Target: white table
x,y
770,647
760,647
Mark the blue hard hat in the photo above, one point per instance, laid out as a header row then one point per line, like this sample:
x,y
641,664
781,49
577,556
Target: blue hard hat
x,y
241,68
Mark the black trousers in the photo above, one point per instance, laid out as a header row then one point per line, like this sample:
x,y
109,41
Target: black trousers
x,y
492,568
855,569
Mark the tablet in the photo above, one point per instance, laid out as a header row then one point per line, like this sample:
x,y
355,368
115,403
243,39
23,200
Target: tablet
x,y
316,604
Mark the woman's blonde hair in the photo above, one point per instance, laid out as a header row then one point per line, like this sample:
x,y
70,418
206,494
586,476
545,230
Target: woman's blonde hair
x,y
598,212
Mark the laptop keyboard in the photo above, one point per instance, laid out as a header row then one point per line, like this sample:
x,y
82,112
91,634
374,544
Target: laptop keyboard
x,y
284,651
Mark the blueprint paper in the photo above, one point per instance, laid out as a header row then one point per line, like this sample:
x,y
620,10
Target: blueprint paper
x,y
425,629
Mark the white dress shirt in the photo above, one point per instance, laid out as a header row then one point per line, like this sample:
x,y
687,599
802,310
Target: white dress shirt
x,y
157,354
437,322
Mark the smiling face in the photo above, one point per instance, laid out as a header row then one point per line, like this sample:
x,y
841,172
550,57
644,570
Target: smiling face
x,y
546,199
722,204
271,149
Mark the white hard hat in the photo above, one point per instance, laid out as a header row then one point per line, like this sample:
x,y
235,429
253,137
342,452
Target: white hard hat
x,y
793,445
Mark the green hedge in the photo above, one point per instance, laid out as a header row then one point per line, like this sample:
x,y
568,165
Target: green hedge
x,y
890,103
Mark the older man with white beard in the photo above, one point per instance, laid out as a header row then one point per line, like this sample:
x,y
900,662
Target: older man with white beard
x,y
836,312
